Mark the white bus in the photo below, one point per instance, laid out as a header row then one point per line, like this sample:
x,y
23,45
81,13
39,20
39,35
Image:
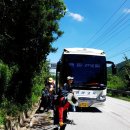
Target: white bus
x,y
89,68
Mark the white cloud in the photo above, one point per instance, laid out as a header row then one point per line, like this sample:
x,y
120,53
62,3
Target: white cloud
x,y
75,16
127,11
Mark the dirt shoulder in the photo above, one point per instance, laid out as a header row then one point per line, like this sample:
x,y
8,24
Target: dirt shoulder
x,y
32,120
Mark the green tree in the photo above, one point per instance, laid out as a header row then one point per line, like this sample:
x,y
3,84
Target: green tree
x,y
5,76
124,72
115,82
27,30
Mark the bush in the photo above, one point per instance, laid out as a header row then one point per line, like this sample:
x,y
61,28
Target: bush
x,y
2,117
5,76
39,81
115,82
38,85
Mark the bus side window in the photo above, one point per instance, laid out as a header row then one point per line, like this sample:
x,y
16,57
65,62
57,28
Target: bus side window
x,y
58,66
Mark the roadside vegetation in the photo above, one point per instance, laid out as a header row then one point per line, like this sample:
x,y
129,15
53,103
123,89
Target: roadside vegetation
x,y
119,84
27,32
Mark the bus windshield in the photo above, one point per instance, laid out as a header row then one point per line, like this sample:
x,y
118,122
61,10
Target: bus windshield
x,y
87,70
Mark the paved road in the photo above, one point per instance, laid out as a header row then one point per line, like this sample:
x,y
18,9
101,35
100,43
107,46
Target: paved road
x,y
114,114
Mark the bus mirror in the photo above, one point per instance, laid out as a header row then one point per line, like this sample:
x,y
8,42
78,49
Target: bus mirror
x,y
113,66
113,69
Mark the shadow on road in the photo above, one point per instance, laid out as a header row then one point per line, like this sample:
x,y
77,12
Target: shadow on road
x,y
89,109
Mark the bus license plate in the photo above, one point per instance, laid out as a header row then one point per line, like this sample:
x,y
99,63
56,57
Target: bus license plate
x,y
83,104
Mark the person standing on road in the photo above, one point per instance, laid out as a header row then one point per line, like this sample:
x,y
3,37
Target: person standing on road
x,y
62,103
51,87
68,87
47,95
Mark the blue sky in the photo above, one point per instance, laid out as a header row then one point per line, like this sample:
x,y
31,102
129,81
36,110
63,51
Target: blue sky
x,y
100,24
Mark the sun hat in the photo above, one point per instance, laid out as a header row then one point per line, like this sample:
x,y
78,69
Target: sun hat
x,y
69,77
50,80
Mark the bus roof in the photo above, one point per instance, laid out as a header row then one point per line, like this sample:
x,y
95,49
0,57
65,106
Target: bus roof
x,y
84,51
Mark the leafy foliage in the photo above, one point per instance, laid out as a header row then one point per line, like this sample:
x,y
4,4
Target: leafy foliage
x,y
115,82
124,72
28,29
16,109
122,78
39,81
5,77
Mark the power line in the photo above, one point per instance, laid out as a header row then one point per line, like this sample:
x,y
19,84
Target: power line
x,y
112,29
116,45
124,51
116,34
107,21
114,26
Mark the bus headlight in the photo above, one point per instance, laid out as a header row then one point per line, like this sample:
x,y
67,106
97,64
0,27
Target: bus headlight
x,y
102,97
